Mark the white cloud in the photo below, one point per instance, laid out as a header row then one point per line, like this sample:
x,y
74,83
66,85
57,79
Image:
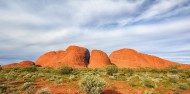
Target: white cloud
x,y
161,7
24,32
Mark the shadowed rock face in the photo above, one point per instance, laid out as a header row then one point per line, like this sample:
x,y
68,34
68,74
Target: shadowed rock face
x,y
74,56
98,59
124,58
20,64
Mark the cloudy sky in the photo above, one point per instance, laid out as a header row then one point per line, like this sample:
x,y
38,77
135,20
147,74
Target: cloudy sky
x,y
29,28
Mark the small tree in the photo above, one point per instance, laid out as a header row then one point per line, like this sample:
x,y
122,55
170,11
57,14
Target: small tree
x,y
92,84
111,69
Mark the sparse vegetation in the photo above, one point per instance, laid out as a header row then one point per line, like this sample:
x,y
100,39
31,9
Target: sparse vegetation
x,y
30,69
111,69
65,70
26,85
153,80
45,91
92,84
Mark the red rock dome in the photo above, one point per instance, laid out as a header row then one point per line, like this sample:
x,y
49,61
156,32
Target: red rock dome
x,y
98,59
74,56
51,59
20,64
124,58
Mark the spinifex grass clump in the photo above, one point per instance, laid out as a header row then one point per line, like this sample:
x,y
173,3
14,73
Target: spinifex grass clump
x,y
92,84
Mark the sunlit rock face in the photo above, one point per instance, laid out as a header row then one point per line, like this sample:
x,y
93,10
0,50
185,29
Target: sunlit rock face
x,y
98,59
20,64
129,58
74,56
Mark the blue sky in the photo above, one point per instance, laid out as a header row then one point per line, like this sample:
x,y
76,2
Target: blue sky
x,y
29,28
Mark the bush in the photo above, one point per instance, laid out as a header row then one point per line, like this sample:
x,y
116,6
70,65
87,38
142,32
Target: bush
x,y
3,88
173,69
45,91
148,84
111,69
30,69
26,85
65,70
92,84
47,70
31,90
128,71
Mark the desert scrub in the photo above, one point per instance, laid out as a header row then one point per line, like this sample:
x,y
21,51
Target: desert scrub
x,y
127,71
11,75
72,78
47,70
45,91
147,92
148,84
3,88
65,70
31,90
111,69
30,69
92,84
26,85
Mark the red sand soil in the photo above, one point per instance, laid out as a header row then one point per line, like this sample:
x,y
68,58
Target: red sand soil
x,y
115,87
98,59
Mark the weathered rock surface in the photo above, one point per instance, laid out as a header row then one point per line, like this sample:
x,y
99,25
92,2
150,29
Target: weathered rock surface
x,y
98,59
79,57
20,64
125,58
51,59
74,56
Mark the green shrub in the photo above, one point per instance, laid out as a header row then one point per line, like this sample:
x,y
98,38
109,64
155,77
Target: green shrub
x,y
173,69
147,92
111,69
45,91
72,78
31,90
26,85
128,71
148,84
11,75
65,70
30,69
92,84
47,70
3,88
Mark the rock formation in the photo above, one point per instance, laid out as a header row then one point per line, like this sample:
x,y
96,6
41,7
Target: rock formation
x,y
98,59
20,64
51,59
74,56
79,57
125,58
